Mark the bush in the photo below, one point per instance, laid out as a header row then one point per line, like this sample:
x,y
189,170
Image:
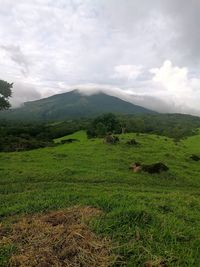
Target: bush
x,y
103,125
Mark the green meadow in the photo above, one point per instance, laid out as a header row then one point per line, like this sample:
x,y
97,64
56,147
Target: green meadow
x,y
152,219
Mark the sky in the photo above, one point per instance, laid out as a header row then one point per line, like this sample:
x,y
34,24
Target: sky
x,y
143,51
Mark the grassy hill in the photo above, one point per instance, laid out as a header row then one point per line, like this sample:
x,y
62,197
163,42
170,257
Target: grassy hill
x,y
152,220
72,105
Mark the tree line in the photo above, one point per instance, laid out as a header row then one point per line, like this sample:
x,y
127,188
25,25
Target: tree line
x,y
17,136
176,126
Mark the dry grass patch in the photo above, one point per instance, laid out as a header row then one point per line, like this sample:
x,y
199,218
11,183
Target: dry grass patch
x,y
59,238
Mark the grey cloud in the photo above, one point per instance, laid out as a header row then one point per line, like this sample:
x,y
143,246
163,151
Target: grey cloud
x,y
53,45
186,20
15,53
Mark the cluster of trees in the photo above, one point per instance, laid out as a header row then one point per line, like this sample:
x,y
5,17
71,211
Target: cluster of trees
x,y
175,126
20,143
103,125
18,136
24,136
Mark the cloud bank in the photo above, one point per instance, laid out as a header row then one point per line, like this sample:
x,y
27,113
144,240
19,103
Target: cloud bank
x,y
145,52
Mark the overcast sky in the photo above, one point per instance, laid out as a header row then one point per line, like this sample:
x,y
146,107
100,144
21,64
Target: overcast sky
x,y
145,51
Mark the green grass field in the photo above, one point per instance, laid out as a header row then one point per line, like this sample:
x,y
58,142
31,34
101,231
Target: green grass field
x,y
150,218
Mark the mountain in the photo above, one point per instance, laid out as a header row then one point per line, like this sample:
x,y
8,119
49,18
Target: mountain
x,y
72,105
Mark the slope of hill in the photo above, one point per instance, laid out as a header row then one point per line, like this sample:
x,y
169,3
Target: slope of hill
x,y
72,105
151,219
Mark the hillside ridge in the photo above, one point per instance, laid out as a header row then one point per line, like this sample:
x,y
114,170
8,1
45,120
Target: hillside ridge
x,y
72,105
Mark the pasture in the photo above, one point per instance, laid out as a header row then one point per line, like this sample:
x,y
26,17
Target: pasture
x,y
151,219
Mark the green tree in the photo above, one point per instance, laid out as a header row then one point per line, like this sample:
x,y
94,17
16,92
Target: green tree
x,y
5,93
104,124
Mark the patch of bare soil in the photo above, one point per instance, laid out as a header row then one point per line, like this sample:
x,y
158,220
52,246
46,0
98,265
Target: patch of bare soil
x,y
58,239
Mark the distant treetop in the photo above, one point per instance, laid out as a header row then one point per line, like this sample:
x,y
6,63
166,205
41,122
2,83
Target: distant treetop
x,y
5,93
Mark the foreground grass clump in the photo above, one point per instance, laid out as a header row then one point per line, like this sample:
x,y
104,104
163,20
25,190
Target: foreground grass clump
x,y
57,239
152,219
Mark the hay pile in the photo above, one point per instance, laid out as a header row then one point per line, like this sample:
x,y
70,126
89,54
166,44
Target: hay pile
x,y
58,239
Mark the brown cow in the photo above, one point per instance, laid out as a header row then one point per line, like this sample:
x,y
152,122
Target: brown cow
x,y
136,167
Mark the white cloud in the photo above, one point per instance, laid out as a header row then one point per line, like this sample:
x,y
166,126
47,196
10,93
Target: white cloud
x,y
127,71
178,87
23,93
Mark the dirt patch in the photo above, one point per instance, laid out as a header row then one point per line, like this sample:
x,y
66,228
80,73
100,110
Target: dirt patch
x,y
58,239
